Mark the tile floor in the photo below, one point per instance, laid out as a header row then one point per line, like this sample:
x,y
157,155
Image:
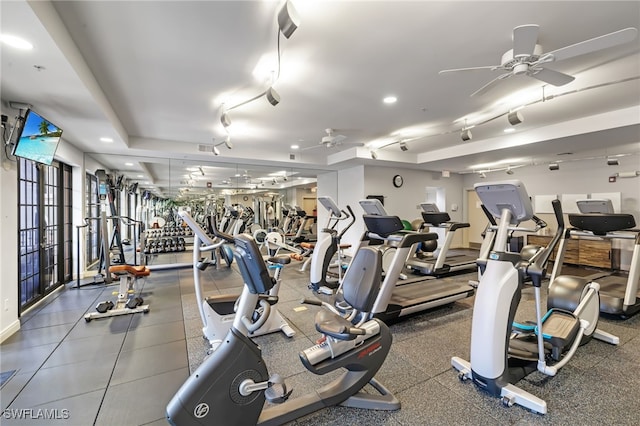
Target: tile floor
x,y
123,370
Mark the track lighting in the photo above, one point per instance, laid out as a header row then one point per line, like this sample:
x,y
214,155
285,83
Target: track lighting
x,y
216,151
509,171
515,118
201,171
225,120
272,96
612,162
374,155
288,19
554,166
227,142
483,175
466,135
403,146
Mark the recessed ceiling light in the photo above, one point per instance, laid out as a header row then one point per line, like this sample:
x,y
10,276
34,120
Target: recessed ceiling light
x,y
390,100
128,164
17,42
107,140
295,146
509,130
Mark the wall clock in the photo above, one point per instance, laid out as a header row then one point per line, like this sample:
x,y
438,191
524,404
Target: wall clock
x,y
398,181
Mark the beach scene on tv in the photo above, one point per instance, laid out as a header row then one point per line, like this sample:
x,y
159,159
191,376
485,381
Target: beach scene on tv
x,y
39,139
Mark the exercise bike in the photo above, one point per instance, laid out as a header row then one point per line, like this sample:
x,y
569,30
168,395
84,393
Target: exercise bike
x,y
231,385
502,354
218,312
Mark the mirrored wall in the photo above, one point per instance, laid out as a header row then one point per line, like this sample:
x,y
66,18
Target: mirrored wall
x,y
210,185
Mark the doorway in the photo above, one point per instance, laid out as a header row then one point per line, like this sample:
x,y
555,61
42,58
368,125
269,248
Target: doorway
x,y
45,229
476,218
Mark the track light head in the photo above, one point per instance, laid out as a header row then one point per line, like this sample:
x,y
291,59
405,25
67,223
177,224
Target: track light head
x,y
225,120
228,143
288,20
272,96
403,146
483,175
515,118
554,166
466,135
216,151
509,171
374,155
612,162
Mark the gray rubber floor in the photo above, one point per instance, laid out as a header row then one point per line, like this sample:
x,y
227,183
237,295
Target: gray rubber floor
x,y
124,370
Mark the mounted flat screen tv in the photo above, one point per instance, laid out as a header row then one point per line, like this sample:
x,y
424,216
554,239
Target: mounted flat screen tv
x,y
38,139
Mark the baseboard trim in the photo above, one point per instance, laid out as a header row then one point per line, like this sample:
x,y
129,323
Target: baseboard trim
x,y
10,330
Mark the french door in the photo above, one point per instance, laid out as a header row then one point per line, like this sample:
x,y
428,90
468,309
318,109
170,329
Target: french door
x,y
45,231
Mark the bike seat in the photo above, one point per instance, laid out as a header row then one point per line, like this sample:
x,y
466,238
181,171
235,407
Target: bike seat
x,y
336,326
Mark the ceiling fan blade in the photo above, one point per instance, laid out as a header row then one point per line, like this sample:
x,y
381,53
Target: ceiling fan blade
x,y
484,89
321,145
592,45
552,77
525,38
338,139
488,67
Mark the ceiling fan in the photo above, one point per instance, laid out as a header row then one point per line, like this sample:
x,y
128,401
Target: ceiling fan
x,y
331,140
527,57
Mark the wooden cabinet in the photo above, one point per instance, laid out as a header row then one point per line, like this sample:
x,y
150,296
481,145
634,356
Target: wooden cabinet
x,y
595,253
580,251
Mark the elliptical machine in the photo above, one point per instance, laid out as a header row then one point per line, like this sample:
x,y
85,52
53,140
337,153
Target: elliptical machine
x,y
218,312
502,355
233,382
327,246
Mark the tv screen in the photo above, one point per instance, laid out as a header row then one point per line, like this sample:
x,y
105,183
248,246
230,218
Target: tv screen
x,y
38,139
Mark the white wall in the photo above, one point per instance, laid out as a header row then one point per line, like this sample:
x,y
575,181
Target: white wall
x,y
9,248
577,177
349,186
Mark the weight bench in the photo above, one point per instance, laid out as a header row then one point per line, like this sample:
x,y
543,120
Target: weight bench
x,y
127,302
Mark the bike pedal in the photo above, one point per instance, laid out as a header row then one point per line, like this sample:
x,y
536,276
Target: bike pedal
x,y
277,393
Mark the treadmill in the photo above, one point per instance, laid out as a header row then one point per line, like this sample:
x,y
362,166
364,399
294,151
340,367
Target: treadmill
x,y
445,261
395,300
619,294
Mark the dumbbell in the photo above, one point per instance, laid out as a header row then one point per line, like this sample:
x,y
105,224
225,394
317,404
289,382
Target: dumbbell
x,y
103,307
134,302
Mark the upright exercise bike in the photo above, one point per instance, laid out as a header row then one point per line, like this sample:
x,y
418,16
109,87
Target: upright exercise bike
x,y
231,385
501,354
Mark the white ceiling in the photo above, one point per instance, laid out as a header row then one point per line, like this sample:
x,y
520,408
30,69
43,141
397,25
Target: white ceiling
x,y
152,75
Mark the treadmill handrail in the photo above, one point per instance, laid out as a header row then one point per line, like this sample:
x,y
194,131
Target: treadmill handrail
x,y
405,238
627,234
